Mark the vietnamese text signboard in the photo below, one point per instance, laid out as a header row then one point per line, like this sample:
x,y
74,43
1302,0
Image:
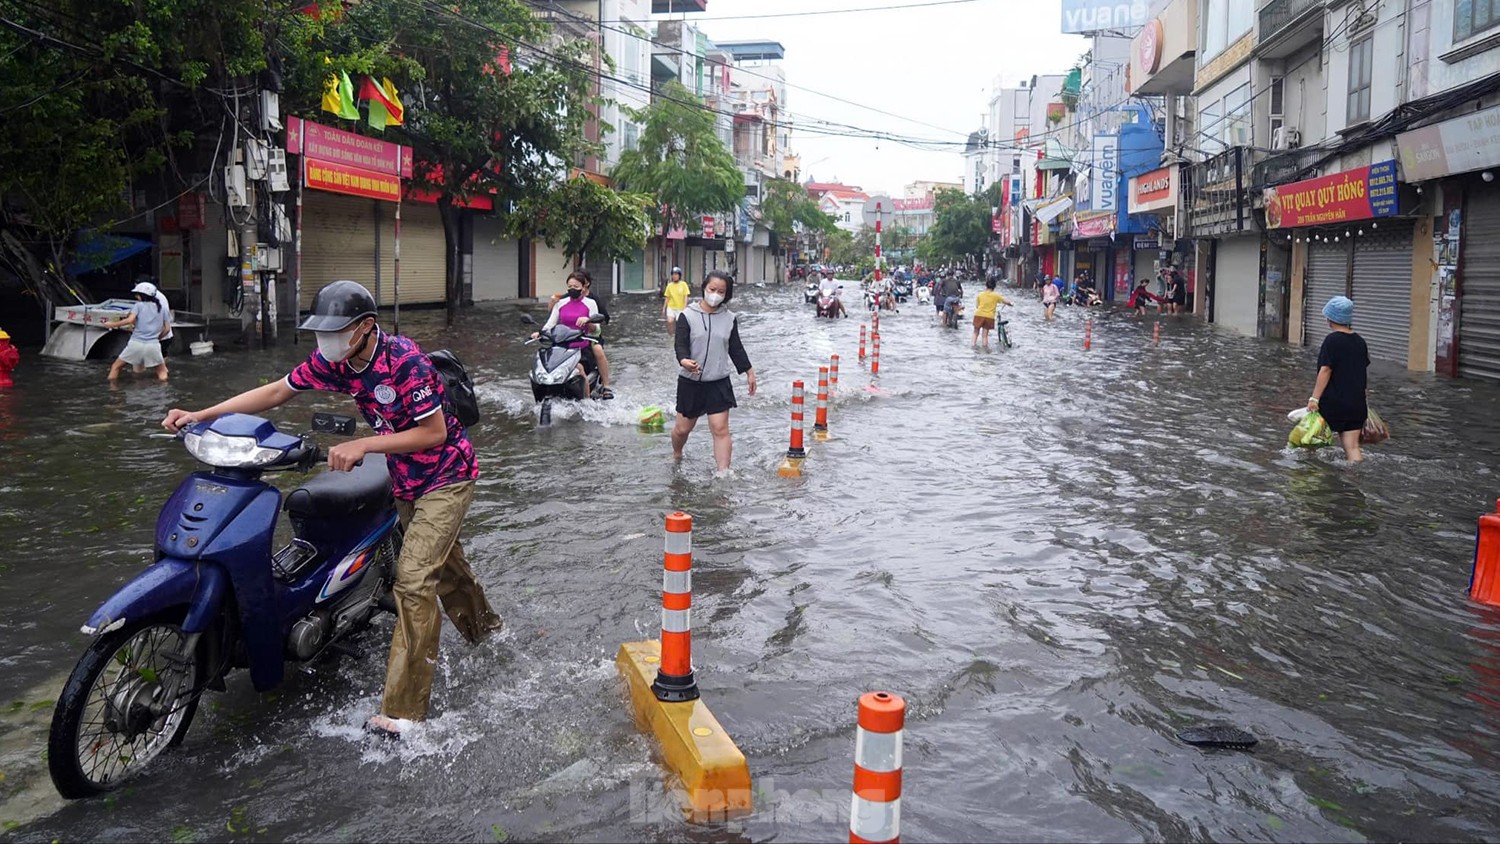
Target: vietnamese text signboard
x,y
1460,145
335,146
338,178
1359,194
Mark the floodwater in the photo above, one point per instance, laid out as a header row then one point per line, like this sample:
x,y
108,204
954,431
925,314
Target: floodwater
x,y
1058,558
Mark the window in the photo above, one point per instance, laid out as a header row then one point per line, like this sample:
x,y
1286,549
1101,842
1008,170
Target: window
x,y
1224,22
1278,106
1471,17
1237,117
1212,121
630,135
1361,56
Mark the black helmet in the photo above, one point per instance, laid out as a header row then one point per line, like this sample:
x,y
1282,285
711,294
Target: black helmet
x,y
338,306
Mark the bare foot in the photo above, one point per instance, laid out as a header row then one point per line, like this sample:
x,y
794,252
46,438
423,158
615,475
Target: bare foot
x,y
383,725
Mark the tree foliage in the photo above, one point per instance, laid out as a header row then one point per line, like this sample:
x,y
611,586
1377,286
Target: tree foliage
x,y
474,129
680,161
97,99
961,227
582,216
785,206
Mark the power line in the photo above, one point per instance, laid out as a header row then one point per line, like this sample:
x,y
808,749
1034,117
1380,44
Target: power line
x,y
590,21
822,12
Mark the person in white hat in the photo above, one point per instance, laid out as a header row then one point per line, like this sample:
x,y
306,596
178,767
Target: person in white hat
x,y
674,300
148,323
166,308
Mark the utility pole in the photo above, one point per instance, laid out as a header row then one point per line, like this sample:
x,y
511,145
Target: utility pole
x,y
250,290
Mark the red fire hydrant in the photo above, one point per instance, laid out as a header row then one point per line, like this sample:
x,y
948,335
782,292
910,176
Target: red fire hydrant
x,y
9,358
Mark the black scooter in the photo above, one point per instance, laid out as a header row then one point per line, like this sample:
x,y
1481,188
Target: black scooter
x,y
560,372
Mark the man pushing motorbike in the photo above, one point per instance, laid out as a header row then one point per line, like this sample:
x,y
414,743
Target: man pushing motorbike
x,y
432,467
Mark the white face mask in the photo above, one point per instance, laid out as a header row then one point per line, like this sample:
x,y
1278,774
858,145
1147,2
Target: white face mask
x,y
336,346
713,299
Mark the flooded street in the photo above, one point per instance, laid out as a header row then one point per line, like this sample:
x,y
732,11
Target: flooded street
x,y
1059,558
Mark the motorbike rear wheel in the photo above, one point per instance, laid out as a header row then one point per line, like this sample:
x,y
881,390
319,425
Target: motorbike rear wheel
x,y
109,723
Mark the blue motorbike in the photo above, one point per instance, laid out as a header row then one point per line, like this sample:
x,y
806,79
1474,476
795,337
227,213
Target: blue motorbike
x,y
218,596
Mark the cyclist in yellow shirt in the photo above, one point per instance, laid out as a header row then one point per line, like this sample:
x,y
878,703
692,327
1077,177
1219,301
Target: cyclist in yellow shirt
x,y
984,313
674,298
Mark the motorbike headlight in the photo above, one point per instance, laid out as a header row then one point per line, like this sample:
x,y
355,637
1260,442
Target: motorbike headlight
x,y
217,450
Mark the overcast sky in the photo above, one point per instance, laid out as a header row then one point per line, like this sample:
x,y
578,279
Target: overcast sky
x,y
935,65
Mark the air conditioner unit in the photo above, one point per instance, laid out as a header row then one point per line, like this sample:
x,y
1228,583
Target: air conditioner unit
x,y
1286,138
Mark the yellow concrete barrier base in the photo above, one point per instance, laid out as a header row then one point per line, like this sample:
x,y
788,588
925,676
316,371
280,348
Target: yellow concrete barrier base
x,y
791,467
713,771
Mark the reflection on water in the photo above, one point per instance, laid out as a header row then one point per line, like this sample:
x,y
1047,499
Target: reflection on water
x,y
1060,558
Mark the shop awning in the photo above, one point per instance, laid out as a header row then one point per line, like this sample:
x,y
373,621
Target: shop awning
x,y
1051,208
95,250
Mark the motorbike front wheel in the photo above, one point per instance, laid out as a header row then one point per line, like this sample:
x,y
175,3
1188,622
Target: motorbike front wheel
x,y
545,413
110,721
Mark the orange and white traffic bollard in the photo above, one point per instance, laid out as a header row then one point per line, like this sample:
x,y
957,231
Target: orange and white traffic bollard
x,y
875,322
875,360
1088,335
861,342
875,809
674,681
1156,335
791,467
1484,583
833,376
820,416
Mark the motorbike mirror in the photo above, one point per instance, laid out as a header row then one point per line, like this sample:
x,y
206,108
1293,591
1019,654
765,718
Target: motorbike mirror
x,y
527,320
333,423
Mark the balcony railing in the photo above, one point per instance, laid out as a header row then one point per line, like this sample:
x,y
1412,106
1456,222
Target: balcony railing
x,y
1279,14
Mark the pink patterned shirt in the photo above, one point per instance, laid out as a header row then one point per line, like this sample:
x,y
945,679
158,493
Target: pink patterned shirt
x,y
397,390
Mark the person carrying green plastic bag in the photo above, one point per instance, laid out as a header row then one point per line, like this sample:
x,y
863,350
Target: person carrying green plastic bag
x,y
1339,395
1312,430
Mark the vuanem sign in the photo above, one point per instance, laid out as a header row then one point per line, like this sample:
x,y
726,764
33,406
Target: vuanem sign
x,y
1105,180
1153,191
1359,194
1079,16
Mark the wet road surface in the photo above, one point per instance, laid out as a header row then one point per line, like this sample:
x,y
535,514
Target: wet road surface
x,y
1059,558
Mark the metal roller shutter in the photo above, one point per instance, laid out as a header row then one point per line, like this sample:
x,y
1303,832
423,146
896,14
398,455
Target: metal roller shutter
x,y
423,269
1382,289
338,242
1479,289
1327,276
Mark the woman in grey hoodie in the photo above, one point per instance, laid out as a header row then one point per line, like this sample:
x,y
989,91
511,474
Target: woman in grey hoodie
x,y
709,351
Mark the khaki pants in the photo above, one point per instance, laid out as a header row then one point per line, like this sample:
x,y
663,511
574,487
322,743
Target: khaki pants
x,y
432,568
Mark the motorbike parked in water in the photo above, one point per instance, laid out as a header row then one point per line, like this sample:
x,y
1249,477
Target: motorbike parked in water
x,y
218,598
560,373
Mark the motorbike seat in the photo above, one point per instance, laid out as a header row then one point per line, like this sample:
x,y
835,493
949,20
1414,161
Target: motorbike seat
x,y
339,494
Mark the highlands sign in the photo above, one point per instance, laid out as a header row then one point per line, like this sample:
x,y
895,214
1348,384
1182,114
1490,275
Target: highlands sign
x,y
1079,16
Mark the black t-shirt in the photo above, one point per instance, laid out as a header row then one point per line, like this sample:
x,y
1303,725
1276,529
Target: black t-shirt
x,y
1349,357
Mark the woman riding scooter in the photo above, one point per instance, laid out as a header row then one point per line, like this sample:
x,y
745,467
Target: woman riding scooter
x,y
577,309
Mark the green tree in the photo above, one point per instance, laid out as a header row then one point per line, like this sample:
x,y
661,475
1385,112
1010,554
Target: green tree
x,y
97,99
960,228
786,207
474,128
681,162
842,248
581,216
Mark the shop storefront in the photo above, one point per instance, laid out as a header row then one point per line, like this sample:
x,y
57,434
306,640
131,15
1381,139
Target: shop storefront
x,y
348,226
1356,247
1455,159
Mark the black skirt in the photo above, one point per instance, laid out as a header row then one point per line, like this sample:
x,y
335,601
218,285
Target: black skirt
x,y
697,398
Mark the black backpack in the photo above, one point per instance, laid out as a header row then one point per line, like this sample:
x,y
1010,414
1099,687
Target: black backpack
x,y
458,388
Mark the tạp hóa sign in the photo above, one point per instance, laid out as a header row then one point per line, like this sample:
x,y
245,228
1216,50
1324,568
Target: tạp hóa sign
x,y
1359,194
